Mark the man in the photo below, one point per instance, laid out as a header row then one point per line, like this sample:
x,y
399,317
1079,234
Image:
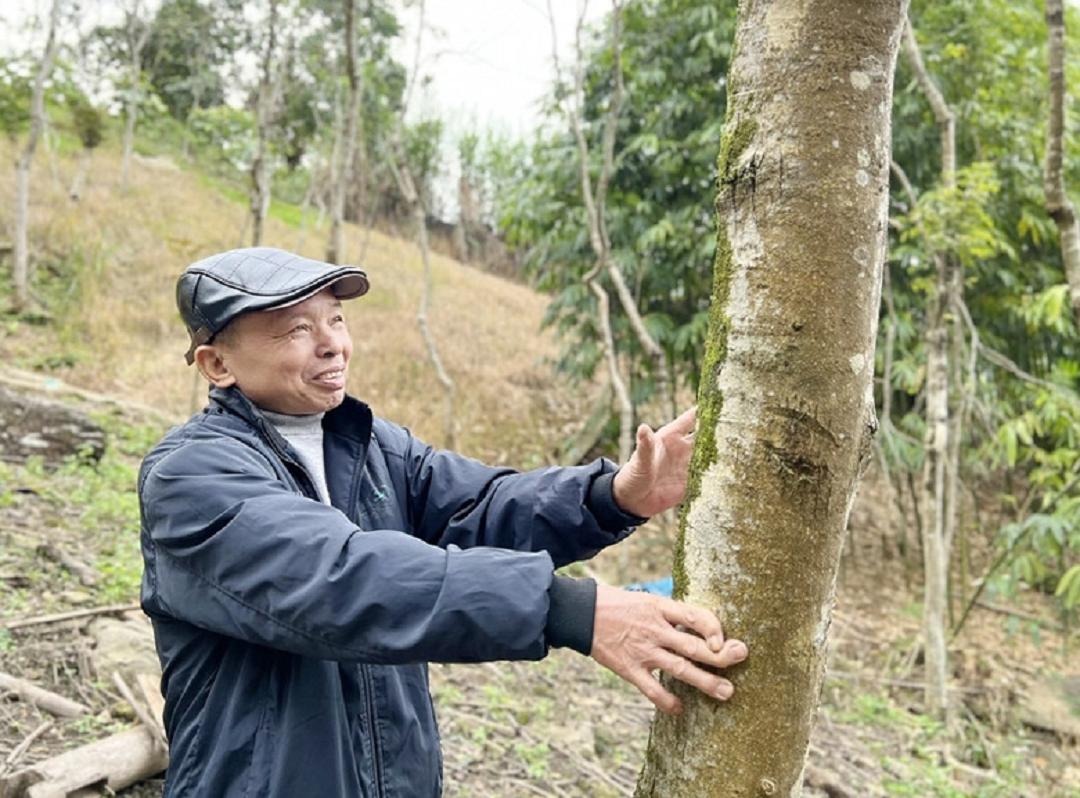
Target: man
x,y
305,559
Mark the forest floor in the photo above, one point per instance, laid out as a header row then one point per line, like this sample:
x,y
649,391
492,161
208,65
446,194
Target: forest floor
x,y
565,726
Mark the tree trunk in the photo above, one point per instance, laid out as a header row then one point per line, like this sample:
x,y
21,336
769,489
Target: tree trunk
x,y
21,273
267,102
939,471
785,410
1058,206
77,183
137,31
345,147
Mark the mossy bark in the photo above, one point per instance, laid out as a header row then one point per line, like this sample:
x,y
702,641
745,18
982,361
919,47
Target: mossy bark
x,y
785,411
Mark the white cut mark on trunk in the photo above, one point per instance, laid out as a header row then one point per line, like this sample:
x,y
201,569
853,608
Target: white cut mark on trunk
x,y
821,631
861,81
785,22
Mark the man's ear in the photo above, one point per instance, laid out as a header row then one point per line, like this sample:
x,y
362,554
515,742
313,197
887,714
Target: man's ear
x,y
211,363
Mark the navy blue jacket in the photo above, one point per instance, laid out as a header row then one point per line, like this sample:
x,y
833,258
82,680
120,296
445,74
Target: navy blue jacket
x,y
293,635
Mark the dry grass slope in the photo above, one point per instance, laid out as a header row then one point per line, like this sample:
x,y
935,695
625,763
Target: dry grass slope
x,y
119,332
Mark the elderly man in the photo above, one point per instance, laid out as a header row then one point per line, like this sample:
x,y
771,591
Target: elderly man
x,y
305,559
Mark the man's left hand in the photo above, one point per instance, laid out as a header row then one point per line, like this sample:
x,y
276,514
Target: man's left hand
x,y
654,479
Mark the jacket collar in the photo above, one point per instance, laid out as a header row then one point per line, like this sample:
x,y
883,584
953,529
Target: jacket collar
x,y
352,418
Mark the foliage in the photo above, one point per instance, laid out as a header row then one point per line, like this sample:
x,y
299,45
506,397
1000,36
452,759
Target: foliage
x,y
16,85
16,80
659,212
190,46
88,120
988,59
227,134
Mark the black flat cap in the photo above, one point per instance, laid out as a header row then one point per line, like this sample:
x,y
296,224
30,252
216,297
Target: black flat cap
x,y
214,291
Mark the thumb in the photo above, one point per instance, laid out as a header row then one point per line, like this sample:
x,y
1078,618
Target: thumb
x,y
646,446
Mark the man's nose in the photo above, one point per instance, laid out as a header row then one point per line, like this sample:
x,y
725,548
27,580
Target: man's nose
x,y
331,341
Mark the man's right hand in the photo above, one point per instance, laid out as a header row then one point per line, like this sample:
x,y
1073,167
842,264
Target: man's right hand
x,y
635,634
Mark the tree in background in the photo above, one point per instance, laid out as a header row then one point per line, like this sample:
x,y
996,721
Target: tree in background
x,y
267,104
786,413
942,436
1014,338
1058,205
136,31
89,123
190,51
21,271
659,218
346,132
412,159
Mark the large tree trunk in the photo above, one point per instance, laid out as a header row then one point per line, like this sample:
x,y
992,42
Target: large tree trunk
x,y
21,273
785,411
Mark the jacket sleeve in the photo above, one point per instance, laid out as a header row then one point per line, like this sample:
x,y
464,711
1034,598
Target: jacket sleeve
x,y
230,548
567,512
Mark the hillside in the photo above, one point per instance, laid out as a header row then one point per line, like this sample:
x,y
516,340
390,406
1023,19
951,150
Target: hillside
x,y
563,727
112,261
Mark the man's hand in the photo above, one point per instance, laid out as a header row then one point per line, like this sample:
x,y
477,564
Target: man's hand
x,y
635,634
654,479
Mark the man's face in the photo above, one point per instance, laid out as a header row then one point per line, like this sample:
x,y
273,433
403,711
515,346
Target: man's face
x,y
289,360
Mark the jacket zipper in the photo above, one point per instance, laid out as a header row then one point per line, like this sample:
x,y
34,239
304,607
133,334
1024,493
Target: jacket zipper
x,y
376,752
365,676
312,492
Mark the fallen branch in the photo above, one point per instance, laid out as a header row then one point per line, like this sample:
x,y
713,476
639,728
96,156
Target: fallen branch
x,y
44,699
144,717
112,609
113,763
1026,616
151,691
23,747
87,575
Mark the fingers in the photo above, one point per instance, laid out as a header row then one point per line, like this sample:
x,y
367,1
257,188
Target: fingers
x,y
685,670
646,444
684,425
651,688
700,620
637,634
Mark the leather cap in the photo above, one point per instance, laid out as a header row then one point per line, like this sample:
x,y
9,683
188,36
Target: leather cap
x,y
214,291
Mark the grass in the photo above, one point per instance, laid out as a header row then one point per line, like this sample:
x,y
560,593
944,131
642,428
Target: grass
x,y
922,760
105,272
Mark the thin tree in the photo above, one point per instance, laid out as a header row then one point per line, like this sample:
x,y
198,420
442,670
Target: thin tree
x,y
267,103
785,409
600,240
942,439
345,139
1058,205
21,273
594,202
136,33
410,191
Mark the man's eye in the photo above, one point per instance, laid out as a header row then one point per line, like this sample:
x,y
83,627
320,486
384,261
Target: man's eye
x,y
299,328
